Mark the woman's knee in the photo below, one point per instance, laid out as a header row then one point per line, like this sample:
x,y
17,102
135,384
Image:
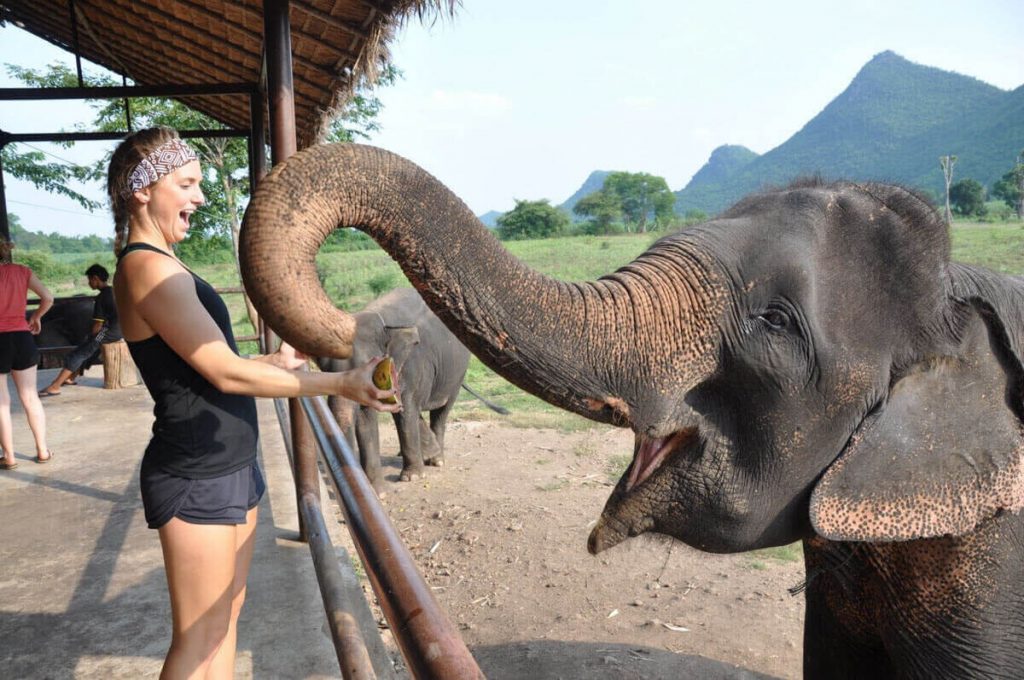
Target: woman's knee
x,y
206,634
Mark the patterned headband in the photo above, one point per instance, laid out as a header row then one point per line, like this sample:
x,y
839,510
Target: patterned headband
x,y
164,160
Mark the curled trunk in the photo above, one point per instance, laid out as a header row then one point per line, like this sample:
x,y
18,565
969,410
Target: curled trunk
x,y
580,346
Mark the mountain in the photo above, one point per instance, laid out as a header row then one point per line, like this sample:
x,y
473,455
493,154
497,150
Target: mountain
x,y
490,218
891,123
592,184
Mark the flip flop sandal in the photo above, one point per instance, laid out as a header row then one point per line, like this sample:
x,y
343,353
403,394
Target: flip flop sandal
x,y
4,465
44,394
44,461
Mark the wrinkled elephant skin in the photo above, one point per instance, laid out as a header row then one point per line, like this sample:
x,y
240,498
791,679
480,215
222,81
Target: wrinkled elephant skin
x,y
808,365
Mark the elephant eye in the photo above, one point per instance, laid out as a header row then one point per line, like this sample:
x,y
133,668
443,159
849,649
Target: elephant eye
x,y
774,318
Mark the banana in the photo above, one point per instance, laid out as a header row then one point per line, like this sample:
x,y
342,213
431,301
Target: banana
x,y
385,377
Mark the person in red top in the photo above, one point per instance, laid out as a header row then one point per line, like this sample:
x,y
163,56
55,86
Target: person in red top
x,y
18,353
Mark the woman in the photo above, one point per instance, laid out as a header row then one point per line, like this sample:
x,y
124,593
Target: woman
x,y
200,481
18,353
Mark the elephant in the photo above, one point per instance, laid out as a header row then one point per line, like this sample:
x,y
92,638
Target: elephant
x,y
431,365
809,365
67,324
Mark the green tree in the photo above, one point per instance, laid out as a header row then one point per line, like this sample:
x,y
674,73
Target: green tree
x,y
967,198
1010,188
641,196
214,229
532,219
603,210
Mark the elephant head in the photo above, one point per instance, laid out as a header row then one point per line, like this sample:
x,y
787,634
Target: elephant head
x,y
750,355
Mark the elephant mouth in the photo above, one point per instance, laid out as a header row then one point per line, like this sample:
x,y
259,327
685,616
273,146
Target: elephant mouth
x,y
651,452
624,515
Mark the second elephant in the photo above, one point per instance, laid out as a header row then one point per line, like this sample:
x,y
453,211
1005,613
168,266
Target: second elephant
x,y
431,365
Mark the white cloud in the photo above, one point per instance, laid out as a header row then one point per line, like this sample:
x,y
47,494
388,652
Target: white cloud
x,y
639,103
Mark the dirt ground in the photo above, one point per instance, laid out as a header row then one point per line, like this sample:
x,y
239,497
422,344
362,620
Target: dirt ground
x,y
500,535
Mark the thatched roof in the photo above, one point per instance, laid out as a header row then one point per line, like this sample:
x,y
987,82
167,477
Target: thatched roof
x,y
335,43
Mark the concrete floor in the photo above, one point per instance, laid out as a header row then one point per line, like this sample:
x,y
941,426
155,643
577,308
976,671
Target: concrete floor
x,y
82,589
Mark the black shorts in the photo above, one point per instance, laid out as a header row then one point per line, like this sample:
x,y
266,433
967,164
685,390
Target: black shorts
x,y
217,500
17,351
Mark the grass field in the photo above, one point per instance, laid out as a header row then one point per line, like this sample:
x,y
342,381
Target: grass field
x,y
352,279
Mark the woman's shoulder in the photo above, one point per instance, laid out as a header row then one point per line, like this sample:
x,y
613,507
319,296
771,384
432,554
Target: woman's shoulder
x,y
143,270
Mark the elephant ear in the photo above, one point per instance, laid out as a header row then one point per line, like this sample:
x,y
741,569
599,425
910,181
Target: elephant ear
x,y
942,455
401,342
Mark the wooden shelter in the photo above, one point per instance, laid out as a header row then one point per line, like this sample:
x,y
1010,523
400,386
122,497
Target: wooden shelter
x,y
336,45
237,62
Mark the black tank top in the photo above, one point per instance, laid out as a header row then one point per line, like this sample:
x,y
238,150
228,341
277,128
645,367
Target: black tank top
x,y
200,432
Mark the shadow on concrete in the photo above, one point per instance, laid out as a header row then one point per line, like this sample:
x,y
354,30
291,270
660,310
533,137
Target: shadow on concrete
x,y
82,586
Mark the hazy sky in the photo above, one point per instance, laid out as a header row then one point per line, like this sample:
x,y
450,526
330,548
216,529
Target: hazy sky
x,y
522,100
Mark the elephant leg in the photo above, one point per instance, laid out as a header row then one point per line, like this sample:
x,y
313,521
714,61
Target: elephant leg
x,y
345,413
368,441
407,424
438,424
431,451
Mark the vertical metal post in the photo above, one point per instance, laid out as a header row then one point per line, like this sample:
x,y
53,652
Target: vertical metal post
x,y
281,98
74,41
127,105
257,140
5,228
280,88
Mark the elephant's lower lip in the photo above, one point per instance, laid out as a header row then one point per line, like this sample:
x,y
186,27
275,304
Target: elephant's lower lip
x,y
651,453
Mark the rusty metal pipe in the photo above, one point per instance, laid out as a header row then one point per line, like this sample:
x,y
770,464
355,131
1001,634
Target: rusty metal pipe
x,y
348,614
353,657
430,644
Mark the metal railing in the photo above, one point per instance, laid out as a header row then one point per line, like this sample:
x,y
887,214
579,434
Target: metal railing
x,y
426,638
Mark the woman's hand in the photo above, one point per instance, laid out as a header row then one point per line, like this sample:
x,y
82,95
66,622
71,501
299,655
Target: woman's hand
x,y
35,325
357,385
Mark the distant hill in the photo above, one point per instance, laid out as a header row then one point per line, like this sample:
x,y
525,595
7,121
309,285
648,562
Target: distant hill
x,y
593,184
490,218
891,123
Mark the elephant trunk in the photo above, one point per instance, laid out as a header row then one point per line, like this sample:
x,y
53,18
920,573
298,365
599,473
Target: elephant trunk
x,y
576,345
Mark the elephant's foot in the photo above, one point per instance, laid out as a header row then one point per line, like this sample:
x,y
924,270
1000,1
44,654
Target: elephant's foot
x,y
379,487
411,474
436,461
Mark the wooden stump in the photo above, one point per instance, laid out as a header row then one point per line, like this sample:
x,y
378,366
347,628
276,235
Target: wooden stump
x,y
118,368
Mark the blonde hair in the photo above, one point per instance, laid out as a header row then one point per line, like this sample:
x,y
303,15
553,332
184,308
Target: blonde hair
x,y
129,153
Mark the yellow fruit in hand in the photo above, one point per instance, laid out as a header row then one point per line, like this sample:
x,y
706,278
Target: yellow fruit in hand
x,y
385,377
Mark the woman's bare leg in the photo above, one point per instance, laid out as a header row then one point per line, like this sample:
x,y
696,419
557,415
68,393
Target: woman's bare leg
x,y
25,381
200,560
223,665
6,427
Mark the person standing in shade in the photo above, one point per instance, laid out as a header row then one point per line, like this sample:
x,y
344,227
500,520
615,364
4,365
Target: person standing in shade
x,y
200,479
105,329
18,353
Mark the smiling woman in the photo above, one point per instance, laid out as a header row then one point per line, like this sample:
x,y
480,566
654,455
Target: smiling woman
x,y
200,479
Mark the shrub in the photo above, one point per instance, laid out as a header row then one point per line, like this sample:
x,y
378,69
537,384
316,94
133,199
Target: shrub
x,y
381,283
